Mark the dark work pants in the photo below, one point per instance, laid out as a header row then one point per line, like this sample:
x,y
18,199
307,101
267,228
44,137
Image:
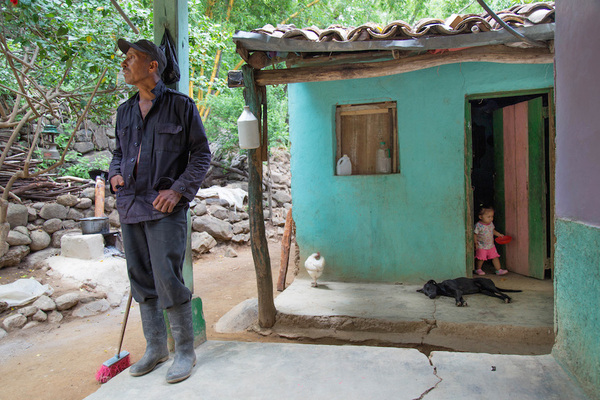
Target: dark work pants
x,y
155,251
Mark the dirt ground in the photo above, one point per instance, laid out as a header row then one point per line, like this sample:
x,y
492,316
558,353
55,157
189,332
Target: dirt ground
x,y
59,361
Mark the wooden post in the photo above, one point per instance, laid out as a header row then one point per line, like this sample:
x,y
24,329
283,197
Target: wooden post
x,y
255,98
286,242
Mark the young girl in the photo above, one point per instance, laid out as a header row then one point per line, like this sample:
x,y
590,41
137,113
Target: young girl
x,y
484,241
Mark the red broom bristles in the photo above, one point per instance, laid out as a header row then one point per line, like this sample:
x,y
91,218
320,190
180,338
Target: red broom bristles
x,y
105,372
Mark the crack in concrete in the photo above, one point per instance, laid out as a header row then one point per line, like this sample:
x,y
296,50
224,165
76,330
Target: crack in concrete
x,y
425,393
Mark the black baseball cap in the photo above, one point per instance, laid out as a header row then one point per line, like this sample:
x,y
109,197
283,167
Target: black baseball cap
x,y
146,46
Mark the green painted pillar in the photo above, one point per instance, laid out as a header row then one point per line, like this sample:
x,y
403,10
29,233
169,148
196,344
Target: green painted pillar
x,y
173,14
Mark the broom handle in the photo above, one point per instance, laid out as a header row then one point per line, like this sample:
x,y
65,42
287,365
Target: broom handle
x,y
124,323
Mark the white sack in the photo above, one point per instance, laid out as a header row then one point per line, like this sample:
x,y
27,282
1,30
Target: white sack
x,y
22,291
233,196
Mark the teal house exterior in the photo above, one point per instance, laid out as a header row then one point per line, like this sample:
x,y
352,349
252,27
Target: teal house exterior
x,y
409,226
429,98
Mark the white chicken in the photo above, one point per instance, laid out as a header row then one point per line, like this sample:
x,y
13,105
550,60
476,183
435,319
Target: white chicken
x,y
314,265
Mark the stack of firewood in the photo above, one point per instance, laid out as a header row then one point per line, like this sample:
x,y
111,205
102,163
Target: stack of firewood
x,y
40,188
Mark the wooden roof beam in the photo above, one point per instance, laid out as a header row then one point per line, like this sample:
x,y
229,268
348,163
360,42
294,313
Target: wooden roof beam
x,y
498,54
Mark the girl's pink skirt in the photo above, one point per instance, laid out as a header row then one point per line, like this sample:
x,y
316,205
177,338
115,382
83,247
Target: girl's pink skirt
x,y
486,254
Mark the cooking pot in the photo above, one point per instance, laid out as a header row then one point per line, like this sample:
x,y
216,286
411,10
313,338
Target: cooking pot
x,y
94,225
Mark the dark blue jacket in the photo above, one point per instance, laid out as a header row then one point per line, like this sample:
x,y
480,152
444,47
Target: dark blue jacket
x,y
175,153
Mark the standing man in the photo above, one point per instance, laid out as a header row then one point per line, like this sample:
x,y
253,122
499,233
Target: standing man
x,y
160,160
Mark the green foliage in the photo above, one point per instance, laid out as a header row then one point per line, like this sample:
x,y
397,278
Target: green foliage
x,y
74,36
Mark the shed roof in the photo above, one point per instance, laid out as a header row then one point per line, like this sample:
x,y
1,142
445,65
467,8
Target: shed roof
x,y
399,40
535,20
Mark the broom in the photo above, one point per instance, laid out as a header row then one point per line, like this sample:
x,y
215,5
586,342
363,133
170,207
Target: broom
x,y
121,361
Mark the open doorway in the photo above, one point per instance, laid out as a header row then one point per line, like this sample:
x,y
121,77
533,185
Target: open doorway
x,y
511,168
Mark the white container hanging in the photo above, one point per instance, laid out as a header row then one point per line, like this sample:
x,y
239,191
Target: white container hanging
x,y
248,134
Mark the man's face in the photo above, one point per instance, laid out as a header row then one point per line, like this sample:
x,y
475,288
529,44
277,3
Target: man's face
x,y
136,66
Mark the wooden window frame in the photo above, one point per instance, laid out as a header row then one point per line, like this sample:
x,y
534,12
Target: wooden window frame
x,y
391,136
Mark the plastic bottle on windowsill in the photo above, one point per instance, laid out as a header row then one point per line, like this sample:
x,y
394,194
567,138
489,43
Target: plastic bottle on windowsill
x,y
383,161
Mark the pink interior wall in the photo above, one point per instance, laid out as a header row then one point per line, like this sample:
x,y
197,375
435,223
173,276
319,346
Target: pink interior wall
x,y
578,110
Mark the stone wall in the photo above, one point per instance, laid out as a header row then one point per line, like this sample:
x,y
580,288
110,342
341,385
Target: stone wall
x,y
34,226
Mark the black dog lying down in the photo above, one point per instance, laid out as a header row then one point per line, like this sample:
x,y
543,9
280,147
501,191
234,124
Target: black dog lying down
x,y
459,286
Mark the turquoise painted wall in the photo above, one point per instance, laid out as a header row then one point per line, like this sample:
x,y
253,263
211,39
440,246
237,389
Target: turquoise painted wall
x,y
577,266
405,227
576,288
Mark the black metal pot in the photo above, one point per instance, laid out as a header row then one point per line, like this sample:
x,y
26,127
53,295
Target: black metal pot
x,y
93,225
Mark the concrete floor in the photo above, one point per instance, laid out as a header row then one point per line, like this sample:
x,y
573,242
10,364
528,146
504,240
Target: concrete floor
x,y
235,370
390,314
379,314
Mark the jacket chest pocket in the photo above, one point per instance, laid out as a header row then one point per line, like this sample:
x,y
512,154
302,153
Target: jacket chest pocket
x,y
169,137
123,135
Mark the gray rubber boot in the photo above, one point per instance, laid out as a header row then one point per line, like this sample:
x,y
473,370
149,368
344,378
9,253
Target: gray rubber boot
x,y
180,318
155,332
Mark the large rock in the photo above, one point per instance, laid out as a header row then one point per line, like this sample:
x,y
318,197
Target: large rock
x,y
83,147
70,224
16,238
241,238
101,138
40,316
90,309
114,219
239,318
230,252
218,211
110,203
14,322
84,203
218,229
84,135
53,210
202,242
39,240
88,193
32,214
74,214
28,311
55,317
282,197
234,217
241,227
67,301
38,259
52,225
44,303
13,256
17,215
200,209
67,200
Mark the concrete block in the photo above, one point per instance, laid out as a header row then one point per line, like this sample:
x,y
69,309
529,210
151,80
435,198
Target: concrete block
x,y
85,247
